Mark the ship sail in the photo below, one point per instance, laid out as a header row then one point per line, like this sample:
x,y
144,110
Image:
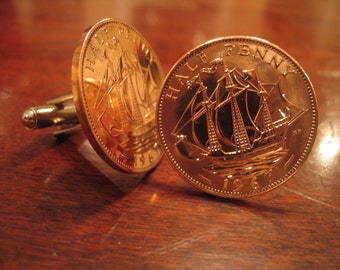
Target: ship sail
x,y
124,100
229,112
240,133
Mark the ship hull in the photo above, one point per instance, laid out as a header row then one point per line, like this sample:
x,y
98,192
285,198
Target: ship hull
x,y
258,161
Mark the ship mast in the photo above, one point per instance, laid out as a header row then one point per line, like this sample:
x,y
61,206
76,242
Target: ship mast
x,y
136,112
241,139
214,145
267,124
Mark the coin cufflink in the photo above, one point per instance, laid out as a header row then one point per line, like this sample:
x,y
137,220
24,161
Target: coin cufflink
x,y
116,80
237,116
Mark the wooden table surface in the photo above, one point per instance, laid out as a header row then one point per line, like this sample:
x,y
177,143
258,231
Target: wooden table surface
x,y
61,207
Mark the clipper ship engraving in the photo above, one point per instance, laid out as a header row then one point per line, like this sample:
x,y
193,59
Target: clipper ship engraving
x,y
235,120
126,100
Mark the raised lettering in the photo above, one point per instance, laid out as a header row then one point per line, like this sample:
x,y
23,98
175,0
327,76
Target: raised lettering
x,y
269,176
173,93
276,62
229,48
150,158
88,63
190,67
244,50
142,159
254,184
260,54
182,78
225,184
139,160
238,185
202,56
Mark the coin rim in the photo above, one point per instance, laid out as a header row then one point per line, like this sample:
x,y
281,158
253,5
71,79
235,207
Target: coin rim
x,y
81,104
304,154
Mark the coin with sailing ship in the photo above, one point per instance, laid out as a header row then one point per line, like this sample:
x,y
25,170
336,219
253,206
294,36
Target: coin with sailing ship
x,y
116,81
237,116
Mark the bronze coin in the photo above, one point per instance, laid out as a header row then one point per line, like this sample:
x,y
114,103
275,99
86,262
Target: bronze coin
x,y
116,78
237,116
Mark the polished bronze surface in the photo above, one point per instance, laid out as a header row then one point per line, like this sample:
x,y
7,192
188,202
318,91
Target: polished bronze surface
x,y
63,207
116,80
237,116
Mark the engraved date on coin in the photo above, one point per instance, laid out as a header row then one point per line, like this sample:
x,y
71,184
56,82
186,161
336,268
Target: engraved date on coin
x,y
237,116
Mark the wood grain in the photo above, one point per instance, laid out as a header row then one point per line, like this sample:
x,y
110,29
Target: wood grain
x,y
63,208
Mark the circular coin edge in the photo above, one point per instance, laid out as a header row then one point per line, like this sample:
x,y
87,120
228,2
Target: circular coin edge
x,y
80,100
309,143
